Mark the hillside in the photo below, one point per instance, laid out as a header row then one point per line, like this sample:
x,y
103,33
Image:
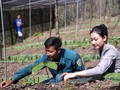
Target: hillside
x,y
22,54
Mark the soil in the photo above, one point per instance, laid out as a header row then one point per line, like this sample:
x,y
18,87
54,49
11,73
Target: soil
x,y
98,85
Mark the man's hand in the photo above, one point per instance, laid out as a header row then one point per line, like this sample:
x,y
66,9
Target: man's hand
x,y
6,83
68,76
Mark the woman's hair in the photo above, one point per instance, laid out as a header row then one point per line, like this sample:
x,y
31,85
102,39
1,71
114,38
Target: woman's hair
x,y
101,30
53,41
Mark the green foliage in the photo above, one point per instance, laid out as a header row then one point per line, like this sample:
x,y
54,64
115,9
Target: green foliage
x,y
69,43
114,40
89,57
33,79
34,57
52,65
26,46
77,43
49,64
113,76
38,67
23,58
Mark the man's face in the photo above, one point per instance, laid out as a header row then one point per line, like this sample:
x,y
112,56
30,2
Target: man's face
x,y
52,53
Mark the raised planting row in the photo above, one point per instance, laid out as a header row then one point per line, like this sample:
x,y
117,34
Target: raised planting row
x,y
89,57
33,45
22,58
82,42
114,40
69,43
32,79
34,57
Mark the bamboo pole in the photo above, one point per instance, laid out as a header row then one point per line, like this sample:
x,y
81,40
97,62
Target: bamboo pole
x,y
77,6
30,31
50,28
65,12
56,18
4,45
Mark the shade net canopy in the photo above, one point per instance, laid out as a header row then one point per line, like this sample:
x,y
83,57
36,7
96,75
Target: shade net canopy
x,y
13,4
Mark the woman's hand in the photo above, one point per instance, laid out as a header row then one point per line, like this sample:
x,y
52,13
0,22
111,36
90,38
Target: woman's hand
x,y
68,76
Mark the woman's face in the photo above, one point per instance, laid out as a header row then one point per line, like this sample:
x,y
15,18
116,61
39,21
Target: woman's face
x,y
97,41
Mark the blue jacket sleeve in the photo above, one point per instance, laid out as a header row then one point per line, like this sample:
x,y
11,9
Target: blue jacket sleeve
x,y
26,70
79,66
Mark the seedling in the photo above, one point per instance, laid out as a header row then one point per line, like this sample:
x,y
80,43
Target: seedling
x,y
115,77
49,64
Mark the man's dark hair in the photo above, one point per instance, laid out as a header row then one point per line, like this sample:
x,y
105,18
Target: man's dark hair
x,y
53,41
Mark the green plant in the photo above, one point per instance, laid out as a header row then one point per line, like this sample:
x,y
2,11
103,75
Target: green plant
x,y
89,57
49,64
23,58
113,76
36,68
32,80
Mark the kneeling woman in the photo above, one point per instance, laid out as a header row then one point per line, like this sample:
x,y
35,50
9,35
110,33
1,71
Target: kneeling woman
x,y
109,55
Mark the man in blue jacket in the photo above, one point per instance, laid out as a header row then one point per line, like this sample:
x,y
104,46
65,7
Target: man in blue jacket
x,y
69,61
18,26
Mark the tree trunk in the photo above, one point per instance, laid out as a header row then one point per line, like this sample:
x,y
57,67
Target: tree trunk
x,y
56,18
10,28
50,28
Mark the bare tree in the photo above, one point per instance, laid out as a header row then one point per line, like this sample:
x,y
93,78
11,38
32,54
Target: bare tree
x,y
56,18
50,28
